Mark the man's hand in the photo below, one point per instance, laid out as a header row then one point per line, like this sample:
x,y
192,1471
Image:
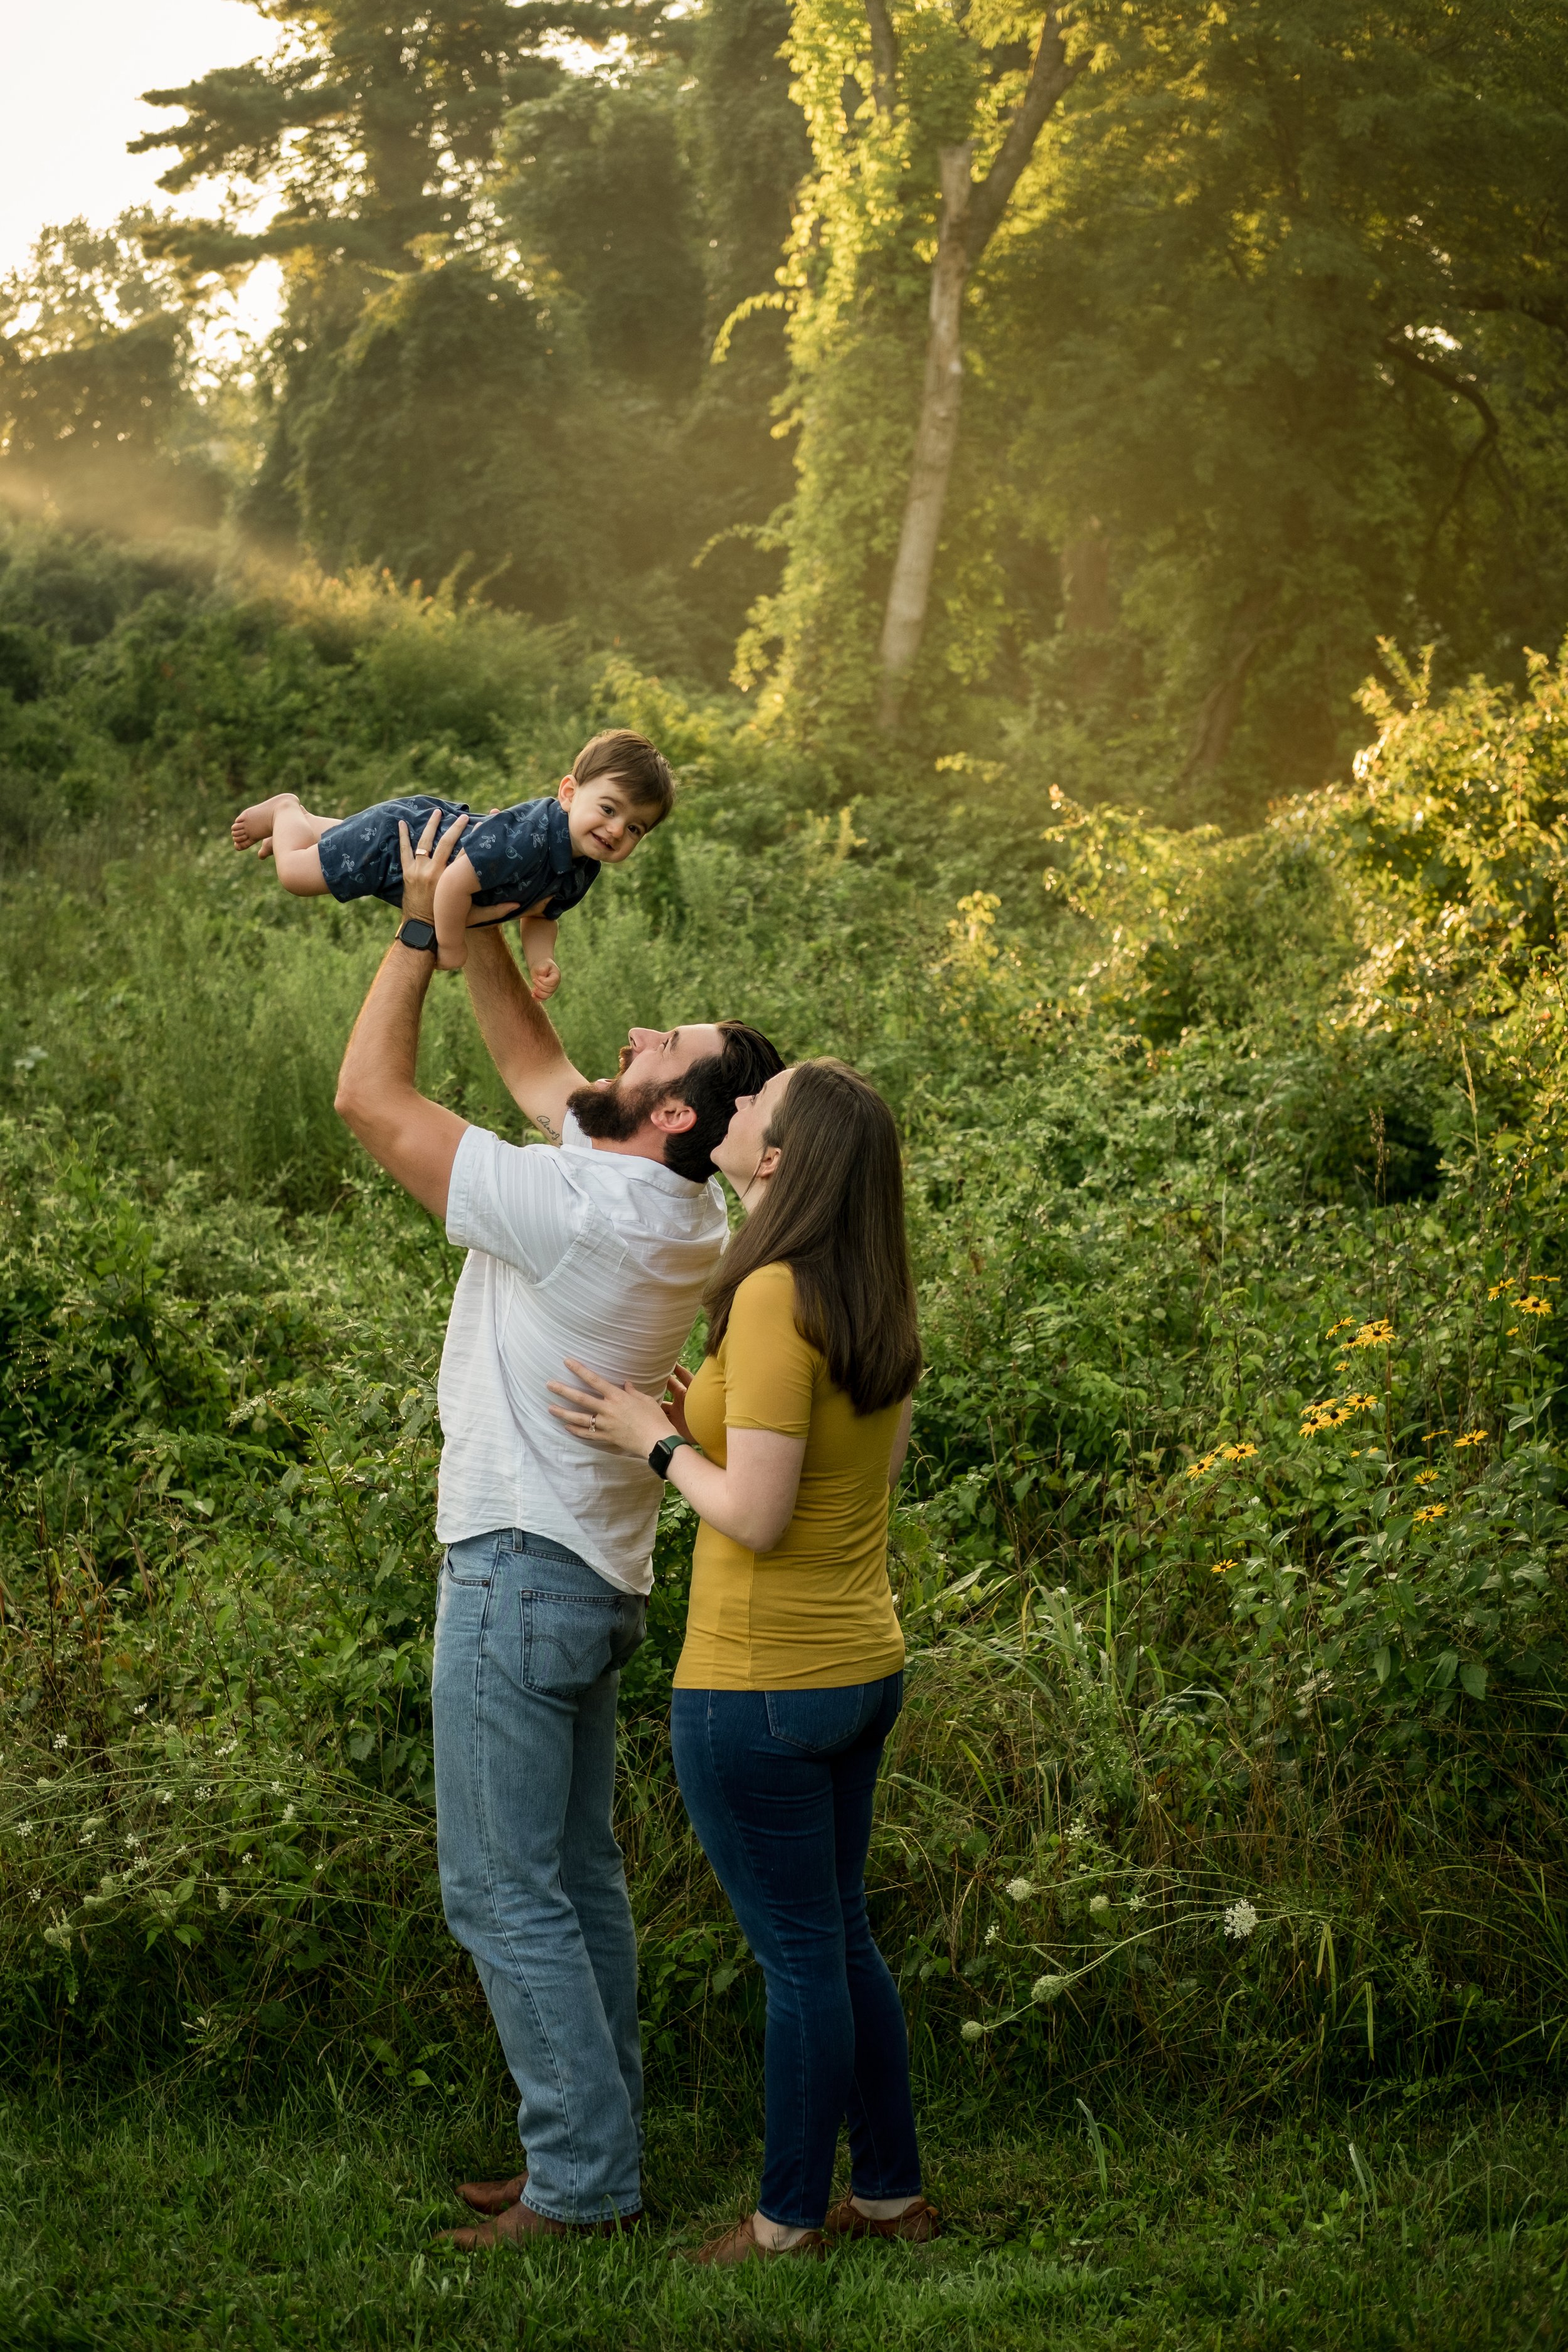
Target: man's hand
x,y
423,867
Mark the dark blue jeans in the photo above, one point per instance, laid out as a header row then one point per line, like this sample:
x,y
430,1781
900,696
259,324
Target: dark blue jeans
x,y
779,1787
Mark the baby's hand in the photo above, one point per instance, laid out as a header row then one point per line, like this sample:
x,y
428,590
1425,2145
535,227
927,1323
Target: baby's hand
x,y
454,957
546,981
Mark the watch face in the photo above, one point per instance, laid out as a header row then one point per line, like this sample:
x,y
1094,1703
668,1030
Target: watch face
x,y
417,934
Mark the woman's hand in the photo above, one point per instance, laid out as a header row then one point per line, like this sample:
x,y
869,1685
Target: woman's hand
x,y
423,867
674,1405
621,1420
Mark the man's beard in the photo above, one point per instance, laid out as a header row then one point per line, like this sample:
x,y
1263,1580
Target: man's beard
x,y
613,1113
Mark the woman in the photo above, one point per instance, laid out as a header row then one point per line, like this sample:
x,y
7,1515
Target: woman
x,y
791,1675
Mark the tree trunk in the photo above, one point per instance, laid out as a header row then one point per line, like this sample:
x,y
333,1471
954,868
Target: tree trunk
x,y
936,438
969,217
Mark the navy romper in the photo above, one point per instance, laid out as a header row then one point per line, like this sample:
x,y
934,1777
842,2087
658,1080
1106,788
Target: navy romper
x,y
520,854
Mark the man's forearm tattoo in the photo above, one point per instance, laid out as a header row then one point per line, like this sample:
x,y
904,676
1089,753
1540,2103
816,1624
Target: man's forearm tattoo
x,y
545,1128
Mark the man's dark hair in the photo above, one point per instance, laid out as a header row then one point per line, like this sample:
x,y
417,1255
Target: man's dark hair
x,y
744,1066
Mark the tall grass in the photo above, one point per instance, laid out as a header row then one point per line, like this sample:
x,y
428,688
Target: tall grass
x,y
1231,1556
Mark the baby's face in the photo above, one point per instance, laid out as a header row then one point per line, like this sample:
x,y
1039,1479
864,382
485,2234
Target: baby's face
x,y
602,819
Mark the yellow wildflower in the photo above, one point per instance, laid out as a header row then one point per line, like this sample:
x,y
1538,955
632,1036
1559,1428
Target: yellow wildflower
x,y
1425,1477
1498,1288
1238,1452
1373,1335
1345,1323
1532,1306
1432,1511
1471,1437
1220,1566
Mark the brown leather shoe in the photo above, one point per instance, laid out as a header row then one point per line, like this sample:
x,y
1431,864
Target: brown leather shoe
x,y
520,2224
917,2225
492,2196
740,2244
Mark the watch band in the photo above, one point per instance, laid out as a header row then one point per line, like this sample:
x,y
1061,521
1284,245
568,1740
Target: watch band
x,y
659,1458
417,934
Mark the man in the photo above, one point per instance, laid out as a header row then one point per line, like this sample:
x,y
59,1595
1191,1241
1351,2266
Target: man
x,y
598,1250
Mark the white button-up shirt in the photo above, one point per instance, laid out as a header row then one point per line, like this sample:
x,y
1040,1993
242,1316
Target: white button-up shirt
x,y
572,1252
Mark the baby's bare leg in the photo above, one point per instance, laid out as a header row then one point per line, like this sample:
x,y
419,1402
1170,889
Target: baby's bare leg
x,y
281,828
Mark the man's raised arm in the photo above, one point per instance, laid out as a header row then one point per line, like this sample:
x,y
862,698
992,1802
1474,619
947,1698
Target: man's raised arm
x,y
522,1043
415,1139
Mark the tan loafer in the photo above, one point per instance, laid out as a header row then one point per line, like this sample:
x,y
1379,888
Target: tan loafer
x,y
519,2225
492,2196
917,2225
740,2244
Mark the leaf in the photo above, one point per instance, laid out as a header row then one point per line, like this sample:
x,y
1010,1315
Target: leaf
x,y
1473,1677
1381,1665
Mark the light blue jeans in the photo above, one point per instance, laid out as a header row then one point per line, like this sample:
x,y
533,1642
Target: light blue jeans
x,y
530,1642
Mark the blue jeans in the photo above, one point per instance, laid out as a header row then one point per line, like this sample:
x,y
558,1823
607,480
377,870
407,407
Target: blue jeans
x,y
779,1787
529,1646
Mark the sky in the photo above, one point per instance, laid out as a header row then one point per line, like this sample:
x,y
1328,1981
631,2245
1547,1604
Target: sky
x,y
58,159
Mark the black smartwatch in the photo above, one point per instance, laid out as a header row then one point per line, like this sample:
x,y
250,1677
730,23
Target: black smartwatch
x,y
415,934
659,1461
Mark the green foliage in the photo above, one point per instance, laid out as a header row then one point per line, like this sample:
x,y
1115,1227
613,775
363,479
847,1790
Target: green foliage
x,y
1232,1553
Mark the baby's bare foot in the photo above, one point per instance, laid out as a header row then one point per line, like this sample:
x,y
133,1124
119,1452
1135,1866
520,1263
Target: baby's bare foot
x,y
252,828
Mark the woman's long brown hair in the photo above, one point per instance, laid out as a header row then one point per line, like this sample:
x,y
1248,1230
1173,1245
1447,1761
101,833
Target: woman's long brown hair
x,y
834,1213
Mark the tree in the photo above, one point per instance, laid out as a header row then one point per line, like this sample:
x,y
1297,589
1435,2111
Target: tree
x,y
375,126
1293,310
99,424
923,122
970,213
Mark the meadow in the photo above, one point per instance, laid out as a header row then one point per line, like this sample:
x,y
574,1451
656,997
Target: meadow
x,y
1224,1828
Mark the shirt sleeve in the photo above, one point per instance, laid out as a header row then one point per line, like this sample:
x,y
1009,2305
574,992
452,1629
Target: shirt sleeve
x,y
517,1204
770,1371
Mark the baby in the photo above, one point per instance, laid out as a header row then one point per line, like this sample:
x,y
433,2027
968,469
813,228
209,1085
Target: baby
x,y
535,860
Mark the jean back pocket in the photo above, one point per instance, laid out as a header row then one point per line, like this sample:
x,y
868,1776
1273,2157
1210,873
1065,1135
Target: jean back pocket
x,y
571,1639
820,1722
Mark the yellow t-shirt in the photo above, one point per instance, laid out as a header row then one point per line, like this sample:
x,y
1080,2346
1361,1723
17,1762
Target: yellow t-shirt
x,y
817,1611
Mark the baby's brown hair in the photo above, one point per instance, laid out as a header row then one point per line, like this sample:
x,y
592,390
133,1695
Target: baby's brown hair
x,y
633,759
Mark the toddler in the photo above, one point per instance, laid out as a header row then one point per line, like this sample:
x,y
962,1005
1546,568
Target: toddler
x,y
535,860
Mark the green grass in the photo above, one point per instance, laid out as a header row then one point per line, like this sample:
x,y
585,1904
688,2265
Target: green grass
x,y
156,2223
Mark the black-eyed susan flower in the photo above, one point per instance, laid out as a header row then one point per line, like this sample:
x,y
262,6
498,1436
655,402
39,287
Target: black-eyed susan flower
x,y
1471,1437
1432,1511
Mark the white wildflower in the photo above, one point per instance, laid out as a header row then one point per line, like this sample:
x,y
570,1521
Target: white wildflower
x,y
131,1839
1020,1889
224,1898
24,1829
35,1894
971,2028
287,1812
1240,1920
139,1710
44,1786
1135,1902
246,1860
1047,1988
1099,1904
61,1741
1076,1833
277,1788
992,1932
165,1796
